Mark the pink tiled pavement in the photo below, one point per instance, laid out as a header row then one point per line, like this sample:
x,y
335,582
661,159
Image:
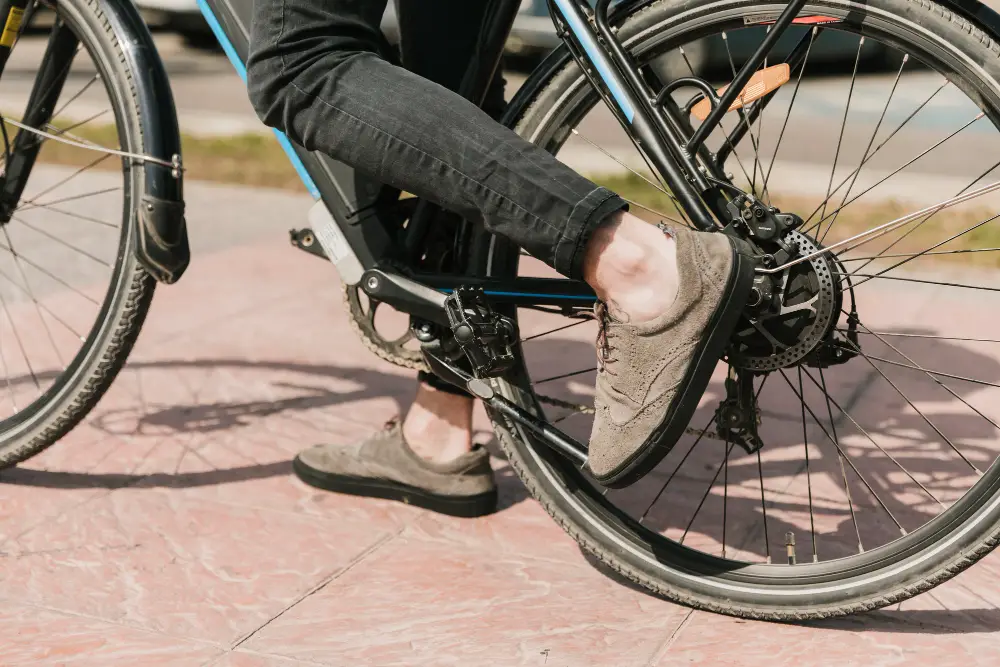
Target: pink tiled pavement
x,y
168,529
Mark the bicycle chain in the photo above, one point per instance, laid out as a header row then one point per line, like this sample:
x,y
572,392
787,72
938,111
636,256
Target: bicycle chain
x,y
559,403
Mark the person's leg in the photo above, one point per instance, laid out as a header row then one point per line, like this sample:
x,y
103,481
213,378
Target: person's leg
x,y
438,424
314,73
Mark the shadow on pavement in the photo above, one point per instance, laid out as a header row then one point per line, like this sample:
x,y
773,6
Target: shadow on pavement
x,y
924,621
306,387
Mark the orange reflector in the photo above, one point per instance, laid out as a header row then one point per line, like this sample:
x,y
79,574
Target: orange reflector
x,y
759,85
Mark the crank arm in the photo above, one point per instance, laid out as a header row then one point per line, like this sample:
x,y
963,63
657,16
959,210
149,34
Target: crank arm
x,y
546,432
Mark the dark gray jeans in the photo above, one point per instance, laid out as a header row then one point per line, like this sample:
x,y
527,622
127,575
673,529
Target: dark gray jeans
x,y
315,73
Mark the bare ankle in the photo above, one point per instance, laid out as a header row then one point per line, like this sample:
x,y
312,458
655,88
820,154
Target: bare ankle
x,y
438,426
632,266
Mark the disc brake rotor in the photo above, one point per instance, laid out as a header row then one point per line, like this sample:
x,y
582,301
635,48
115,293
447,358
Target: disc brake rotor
x,y
804,303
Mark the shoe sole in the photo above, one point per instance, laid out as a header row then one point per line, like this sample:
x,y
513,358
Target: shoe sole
x,y
707,354
464,506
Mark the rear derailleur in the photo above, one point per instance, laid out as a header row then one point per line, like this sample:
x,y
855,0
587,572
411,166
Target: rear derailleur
x,y
737,417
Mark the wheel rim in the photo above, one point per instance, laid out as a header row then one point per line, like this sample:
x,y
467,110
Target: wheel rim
x,y
728,484
70,235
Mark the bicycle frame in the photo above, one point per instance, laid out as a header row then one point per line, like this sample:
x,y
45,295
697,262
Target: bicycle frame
x,y
345,216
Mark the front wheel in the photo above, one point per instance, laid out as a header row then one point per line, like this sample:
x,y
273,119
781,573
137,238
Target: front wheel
x,y
72,295
877,389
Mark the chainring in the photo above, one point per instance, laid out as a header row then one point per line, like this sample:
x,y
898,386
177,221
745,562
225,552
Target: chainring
x,y
363,323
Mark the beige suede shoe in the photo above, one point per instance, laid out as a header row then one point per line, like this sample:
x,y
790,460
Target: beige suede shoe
x,y
384,466
652,374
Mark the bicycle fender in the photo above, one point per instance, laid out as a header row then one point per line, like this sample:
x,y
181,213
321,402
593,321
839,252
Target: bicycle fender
x,y
161,233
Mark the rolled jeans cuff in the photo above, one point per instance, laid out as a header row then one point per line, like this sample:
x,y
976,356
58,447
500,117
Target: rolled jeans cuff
x,y
585,217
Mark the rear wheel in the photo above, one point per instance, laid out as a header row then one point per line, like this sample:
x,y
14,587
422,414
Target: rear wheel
x,y
72,297
878,477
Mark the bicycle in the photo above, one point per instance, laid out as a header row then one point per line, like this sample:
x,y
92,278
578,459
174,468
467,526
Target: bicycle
x,y
813,337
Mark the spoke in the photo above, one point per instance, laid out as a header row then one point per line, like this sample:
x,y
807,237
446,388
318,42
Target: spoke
x,y
932,375
607,153
41,305
788,114
50,275
872,440
917,226
658,186
883,229
914,255
739,162
901,262
27,285
565,375
929,372
552,331
34,197
872,276
6,373
805,444
725,496
60,241
704,496
67,131
763,506
906,335
884,142
746,122
670,479
77,216
67,199
845,458
97,77
871,141
843,125
683,223
917,410
20,344
841,456
885,178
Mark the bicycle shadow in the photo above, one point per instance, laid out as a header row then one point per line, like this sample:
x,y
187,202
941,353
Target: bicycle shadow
x,y
308,388
290,389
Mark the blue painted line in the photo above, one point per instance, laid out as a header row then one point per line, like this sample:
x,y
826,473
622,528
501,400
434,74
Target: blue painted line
x,y
241,69
597,57
578,297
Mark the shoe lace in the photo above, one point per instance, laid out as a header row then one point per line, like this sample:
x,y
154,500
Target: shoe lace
x,y
604,347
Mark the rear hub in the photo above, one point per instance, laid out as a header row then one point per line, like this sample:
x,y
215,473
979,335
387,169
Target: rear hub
x,y
789,313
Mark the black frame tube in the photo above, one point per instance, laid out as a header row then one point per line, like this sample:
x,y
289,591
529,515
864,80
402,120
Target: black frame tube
x,y
56,62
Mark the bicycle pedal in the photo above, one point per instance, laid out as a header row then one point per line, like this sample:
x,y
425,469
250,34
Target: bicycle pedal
x,y
485,336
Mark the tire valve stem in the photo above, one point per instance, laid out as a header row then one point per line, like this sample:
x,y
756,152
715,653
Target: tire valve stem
x,y
790,547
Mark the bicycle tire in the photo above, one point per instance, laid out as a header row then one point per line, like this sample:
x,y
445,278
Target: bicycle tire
x,y
89,374
959,537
